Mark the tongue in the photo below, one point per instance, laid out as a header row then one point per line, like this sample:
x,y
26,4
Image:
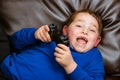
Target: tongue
x,y
82,41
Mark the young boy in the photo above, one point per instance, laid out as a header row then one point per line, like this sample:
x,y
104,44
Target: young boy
x,y
39,58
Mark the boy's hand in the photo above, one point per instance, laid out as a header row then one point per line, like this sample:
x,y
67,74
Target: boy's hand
x,y
64,58
42,33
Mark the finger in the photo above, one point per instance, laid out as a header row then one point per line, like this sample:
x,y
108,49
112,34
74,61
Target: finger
x,y
58,59
43,34
47,28
59,50
48,38
63,47
46,33
57,55
38,35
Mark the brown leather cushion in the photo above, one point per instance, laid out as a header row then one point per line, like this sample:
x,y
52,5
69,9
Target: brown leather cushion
x,y
17,14
4,48
4,44
112,78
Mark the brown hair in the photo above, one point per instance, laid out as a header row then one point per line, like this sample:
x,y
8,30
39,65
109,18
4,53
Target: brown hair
x,y
98,18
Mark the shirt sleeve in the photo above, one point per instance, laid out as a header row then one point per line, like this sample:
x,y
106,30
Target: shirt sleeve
x,y
20,39
94,71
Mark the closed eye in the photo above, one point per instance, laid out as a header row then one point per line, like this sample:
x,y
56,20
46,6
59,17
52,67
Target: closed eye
x,y
92,30
78,25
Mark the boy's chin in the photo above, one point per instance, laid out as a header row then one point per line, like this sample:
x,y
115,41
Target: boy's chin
x,y
82,50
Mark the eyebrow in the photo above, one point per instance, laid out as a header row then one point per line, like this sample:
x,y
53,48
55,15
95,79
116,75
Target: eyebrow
x,y
92,24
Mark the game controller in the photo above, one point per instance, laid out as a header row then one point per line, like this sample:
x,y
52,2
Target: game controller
x,y
56,36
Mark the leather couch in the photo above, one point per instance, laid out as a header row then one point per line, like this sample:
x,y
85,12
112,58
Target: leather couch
x,y
17,14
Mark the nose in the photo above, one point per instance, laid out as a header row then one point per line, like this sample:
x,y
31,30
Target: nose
x,y
84,31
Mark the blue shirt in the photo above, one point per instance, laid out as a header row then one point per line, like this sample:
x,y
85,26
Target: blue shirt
x,y
36,61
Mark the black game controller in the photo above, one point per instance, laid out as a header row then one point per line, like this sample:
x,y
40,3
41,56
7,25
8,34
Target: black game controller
x,y
55,35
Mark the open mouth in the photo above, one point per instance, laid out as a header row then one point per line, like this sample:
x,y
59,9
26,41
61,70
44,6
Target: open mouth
x,y
82,40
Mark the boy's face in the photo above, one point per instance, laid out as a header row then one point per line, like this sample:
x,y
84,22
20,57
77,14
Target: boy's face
x,y
83,32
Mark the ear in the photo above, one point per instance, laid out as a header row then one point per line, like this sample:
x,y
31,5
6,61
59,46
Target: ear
x,y
65,30
98,41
